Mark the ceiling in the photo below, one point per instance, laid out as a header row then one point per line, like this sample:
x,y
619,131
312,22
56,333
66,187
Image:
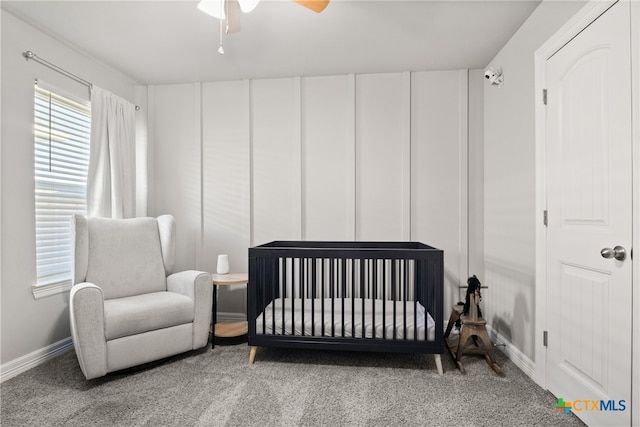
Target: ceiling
x,y
161,42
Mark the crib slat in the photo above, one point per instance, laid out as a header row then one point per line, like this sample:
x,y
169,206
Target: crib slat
x,y
302,286
343,275
293,295
333,300
274,294
394,295
283,284
322,281
353,298
404,296
415,302
384,299
313,295
374,267
363,279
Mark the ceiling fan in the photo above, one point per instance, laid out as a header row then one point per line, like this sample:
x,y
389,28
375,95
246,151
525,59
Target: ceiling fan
x,y
228,12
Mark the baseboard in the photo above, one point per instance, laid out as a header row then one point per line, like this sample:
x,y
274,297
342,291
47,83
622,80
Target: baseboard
x,y
514,354
225,316
33,359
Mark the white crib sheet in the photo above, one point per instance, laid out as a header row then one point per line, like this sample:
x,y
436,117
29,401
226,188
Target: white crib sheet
x,y
370,306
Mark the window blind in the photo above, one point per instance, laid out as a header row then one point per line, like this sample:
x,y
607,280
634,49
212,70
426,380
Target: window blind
x,y
62,135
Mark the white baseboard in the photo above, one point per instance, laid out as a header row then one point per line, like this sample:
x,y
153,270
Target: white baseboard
x,y
33,359
514,354
225,316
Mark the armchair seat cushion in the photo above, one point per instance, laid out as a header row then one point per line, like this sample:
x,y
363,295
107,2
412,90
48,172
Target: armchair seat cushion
x,y
147,312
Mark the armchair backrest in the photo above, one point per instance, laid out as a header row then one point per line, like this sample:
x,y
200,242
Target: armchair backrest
x,y
124,257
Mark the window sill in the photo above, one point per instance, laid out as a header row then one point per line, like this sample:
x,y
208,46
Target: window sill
x,y
50,289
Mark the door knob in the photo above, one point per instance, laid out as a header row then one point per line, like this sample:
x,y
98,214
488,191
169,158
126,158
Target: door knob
x,y
618,253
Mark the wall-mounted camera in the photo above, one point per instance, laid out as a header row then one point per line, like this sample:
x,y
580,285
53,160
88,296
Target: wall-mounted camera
x,y
494,76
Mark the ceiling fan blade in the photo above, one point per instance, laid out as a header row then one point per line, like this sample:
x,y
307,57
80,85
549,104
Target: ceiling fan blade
x,y
315,5
233,17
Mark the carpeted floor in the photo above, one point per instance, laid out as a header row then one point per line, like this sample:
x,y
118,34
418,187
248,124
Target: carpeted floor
x,y
283,388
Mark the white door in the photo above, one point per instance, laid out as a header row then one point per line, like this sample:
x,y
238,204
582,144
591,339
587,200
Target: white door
x,y
589,202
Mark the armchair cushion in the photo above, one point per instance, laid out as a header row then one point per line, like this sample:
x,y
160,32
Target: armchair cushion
x,y
147,312
125,258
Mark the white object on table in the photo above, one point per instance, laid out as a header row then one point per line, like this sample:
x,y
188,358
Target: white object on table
x,y
223,264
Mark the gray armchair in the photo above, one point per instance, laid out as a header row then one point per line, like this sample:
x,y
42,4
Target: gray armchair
x,y
127,307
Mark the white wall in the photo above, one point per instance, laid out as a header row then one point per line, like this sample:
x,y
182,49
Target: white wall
x,y
509,180
352,157
328,144
635,82
30,325
476,174
175,171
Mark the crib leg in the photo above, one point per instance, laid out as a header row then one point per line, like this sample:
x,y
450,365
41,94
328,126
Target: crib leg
x,y
439,364
252,354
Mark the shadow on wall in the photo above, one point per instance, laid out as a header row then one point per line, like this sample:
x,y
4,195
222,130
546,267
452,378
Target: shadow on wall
x,y
509,304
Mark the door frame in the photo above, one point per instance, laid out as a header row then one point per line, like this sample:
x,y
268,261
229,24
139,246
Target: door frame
x,y
585,16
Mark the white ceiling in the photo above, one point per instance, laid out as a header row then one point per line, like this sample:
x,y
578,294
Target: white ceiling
x,y
159,42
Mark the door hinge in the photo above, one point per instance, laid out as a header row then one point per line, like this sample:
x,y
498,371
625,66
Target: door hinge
x,y
544,96
545,218
545,338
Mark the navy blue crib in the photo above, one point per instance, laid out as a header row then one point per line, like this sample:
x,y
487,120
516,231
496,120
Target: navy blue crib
x,y
360,296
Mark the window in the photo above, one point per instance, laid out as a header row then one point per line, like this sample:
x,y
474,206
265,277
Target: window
x,y
62,133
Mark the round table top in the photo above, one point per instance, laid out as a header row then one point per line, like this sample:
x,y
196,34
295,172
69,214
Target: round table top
x,y
230,278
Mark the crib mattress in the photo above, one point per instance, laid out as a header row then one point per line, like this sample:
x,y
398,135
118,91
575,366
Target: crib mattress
x,y
295,316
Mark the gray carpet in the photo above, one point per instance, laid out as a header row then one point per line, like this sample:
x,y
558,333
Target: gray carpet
x,y
283,388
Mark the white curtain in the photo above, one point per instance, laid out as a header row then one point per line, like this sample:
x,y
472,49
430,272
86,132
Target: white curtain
x,y
111,182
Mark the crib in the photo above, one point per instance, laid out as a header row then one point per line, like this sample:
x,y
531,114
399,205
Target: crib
x,y
356,296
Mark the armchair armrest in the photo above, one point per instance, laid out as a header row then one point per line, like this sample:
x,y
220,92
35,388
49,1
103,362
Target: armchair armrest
x,y
86,310
196,285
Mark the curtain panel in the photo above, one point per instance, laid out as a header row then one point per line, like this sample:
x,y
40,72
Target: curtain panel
x,y
111,182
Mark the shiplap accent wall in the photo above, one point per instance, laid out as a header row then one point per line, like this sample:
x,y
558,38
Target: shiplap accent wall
x,y
350,157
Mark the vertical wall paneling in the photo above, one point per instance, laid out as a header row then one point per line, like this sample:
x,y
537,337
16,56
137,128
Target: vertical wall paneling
x,y
251,192
463,189
379,156
351,157
197,136
142,154
296,147
327,158
406,156
475,179
275,180
177,176
225,130
151,133
438,169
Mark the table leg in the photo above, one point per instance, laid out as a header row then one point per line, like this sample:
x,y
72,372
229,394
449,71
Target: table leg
x,y
214,316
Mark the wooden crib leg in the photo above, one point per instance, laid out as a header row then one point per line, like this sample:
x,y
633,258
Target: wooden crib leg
x,y
252,354
439,364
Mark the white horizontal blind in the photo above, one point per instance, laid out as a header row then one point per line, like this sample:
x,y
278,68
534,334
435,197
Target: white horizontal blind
x,y
62,134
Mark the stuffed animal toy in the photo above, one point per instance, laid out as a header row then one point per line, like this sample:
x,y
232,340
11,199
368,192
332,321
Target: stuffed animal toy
x,y
473,286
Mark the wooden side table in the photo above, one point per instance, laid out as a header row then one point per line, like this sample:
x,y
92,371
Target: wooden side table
x,y
226,329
